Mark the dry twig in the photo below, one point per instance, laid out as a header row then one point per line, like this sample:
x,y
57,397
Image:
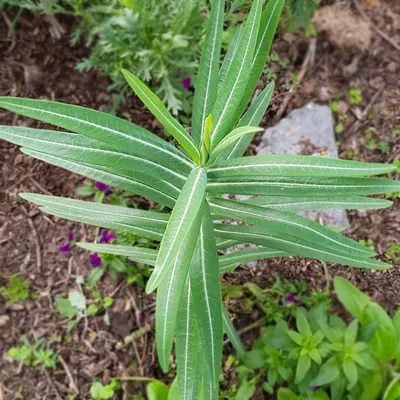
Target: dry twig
x,y
70,377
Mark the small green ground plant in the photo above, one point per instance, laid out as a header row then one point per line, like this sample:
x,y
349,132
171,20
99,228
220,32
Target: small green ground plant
x,y
191,179
312,353
33,355
17,290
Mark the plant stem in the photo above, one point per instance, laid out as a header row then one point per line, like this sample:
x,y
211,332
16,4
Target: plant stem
x,y
133,378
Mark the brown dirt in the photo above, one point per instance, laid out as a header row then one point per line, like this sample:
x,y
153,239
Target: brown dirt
x,y
38,66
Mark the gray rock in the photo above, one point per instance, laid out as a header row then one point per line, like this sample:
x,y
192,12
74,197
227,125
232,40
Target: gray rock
x,y
307,130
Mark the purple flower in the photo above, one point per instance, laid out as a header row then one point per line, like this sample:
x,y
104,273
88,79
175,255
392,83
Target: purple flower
x,y
315,388
190,131
106,236
131,262
69,246
292,300
186,83
103,188
96,260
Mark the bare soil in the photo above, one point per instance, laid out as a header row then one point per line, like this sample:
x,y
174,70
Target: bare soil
x,y
36,65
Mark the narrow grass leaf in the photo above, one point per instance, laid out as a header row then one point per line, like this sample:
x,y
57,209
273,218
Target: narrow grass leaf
x,y
207,79
186,209
158,109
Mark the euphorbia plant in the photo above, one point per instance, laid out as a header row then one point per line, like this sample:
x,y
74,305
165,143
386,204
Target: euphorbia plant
x,y
190,180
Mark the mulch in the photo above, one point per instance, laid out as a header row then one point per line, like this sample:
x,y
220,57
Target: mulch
x,y
39,66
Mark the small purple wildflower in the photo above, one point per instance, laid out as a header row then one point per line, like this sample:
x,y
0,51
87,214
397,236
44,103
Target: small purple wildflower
x,y
315,388
96,260
106,236
186,83
103,188
292,300
189,131
132,262
69,246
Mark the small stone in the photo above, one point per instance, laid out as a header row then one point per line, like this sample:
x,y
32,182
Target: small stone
x,y
392,67
4,320
307,130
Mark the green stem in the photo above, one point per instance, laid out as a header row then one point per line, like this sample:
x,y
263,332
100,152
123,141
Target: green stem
x,y
134,378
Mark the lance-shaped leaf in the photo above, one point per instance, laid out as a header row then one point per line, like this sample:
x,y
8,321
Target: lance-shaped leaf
x,y
230,261
226,243
231,138
319,187
288,223
269,22
294,245
169,294
207,78
116,132
252,117
294,166
78,148
284,203
150,228
205,283
137,183
158,109
189,358
178,233
230,95
139,254
232,334
230,56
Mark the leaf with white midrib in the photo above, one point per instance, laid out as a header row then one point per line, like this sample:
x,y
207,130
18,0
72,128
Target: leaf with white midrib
x,y
294,166
205,282
288,223
206,83
102,174
186,209
230,95
294,245
103,127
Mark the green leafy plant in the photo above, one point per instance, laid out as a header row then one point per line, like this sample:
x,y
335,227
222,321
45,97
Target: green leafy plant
x,y
190,179
33,355
355,96
17,290
98,391
130,35
319,356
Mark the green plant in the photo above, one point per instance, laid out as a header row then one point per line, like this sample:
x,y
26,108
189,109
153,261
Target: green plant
x,y
355,96
321,357
191,179
98,391
17,290
164,53
33,355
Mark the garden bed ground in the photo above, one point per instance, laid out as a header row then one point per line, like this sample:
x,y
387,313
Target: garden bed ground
x,y
36,65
